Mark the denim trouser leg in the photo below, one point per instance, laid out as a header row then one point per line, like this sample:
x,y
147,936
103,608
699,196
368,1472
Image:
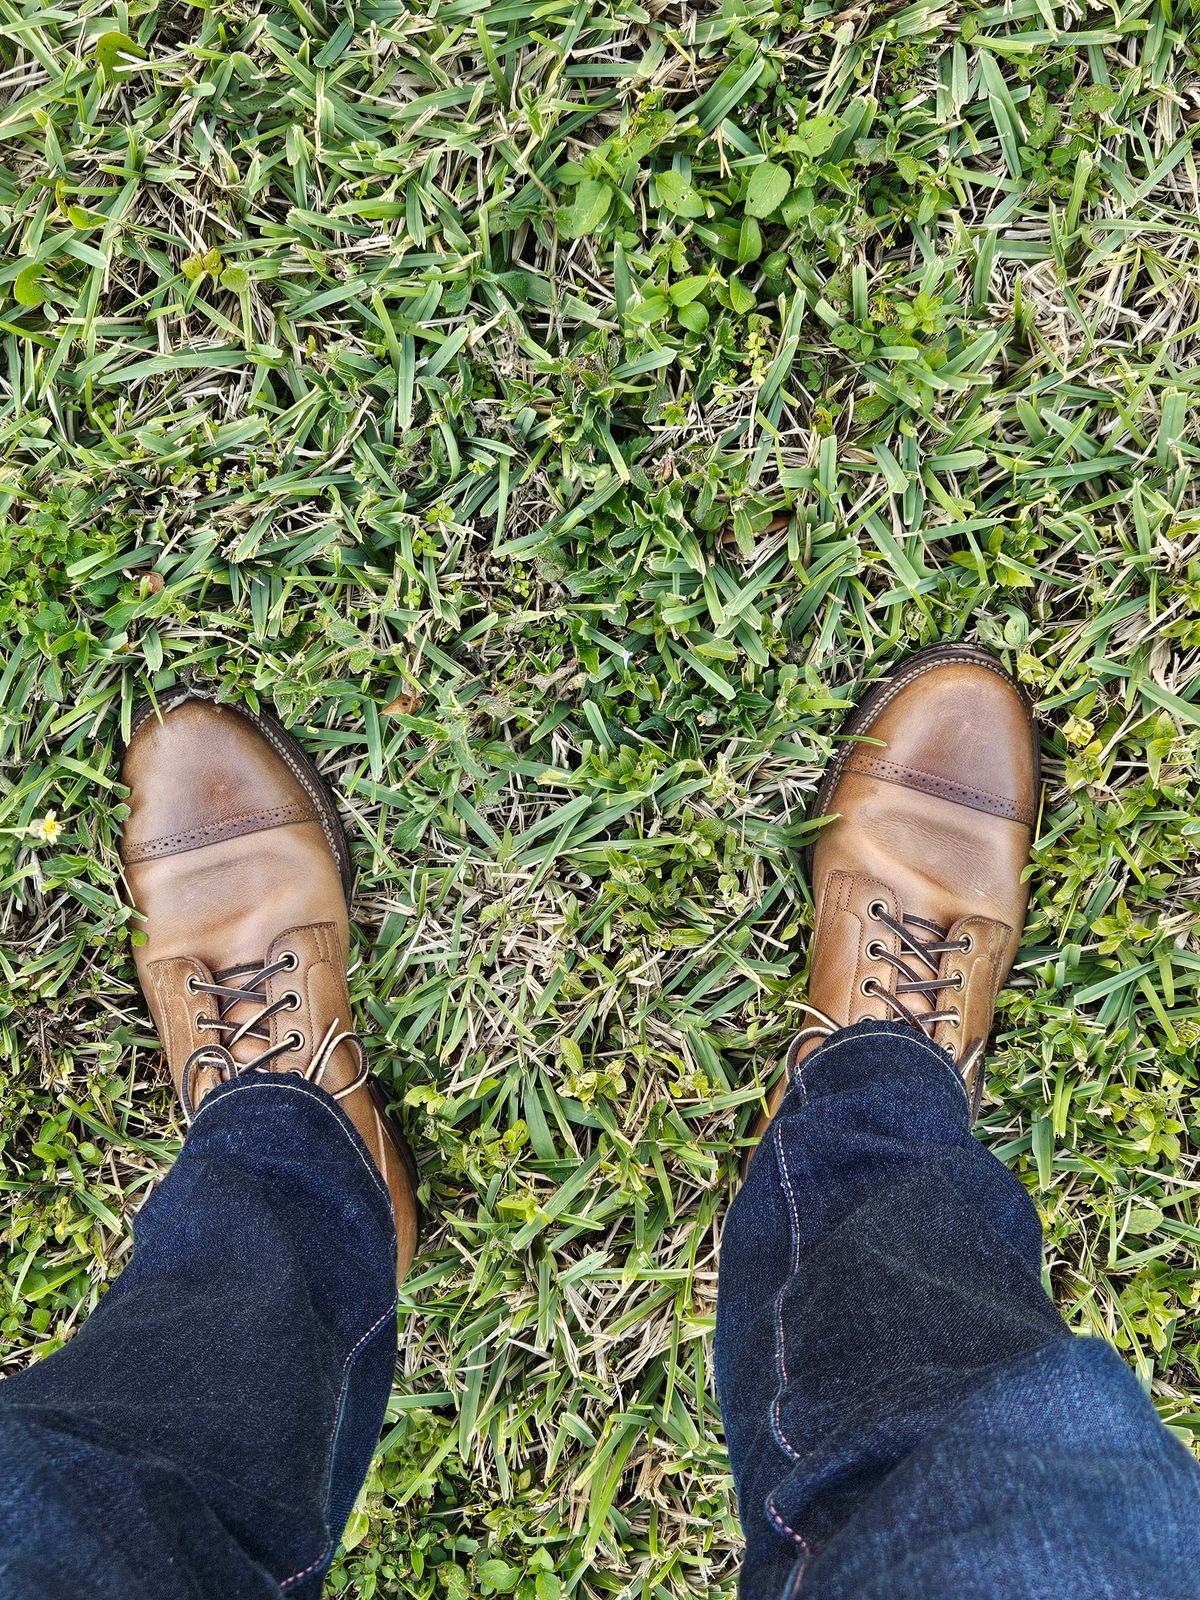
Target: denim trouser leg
x,y
907,1414
206,1431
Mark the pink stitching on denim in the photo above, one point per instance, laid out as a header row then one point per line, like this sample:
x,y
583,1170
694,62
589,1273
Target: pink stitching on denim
x,y
784,1527
780,1359
286,1583
776,1417
796,1078
796,1579
791,1194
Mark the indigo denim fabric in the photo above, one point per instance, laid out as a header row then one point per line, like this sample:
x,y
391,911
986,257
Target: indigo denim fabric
x,y
908,1418
205,1432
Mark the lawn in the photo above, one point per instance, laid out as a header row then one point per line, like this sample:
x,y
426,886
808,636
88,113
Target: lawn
x,y
557,410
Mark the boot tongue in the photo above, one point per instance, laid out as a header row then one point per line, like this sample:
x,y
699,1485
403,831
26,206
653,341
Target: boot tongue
x,y
240,1012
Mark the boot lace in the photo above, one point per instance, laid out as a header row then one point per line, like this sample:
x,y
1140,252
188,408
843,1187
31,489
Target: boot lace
x,y
244,986
928,953
927,985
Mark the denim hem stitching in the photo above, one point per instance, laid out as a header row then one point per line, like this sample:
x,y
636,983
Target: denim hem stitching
x,y
796,1080
784,1527
777,1430
318,1099
908,1036
331,1446
796,1579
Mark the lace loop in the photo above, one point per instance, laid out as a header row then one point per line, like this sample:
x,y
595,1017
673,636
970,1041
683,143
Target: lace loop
x,y
243,985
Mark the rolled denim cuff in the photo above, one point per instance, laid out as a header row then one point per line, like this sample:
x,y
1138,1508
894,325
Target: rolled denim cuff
x,y
836,1066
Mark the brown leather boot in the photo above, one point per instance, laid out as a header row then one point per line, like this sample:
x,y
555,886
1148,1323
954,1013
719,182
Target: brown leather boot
x,y
917,880
234,855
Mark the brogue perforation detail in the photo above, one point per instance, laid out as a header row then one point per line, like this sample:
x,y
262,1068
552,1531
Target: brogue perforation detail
x,y
170,844
868,765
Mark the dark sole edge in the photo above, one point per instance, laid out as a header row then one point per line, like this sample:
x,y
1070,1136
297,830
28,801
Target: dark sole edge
x,y
860,714
272,729
403,1149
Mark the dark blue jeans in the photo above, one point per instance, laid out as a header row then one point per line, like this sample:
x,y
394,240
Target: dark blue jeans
x,y
206,1431
907,1414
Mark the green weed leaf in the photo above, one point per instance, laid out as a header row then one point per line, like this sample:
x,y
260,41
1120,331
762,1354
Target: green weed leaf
x,y
27,286
679,195
767,190
113,53
587,211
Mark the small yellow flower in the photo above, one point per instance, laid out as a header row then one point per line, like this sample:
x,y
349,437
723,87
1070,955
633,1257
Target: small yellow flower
x,y
47,829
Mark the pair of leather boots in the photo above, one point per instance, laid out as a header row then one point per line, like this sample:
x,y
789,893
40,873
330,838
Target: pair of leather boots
x,y
234,856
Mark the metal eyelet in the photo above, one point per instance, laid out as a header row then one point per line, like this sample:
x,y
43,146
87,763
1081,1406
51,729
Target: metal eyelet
x,y
876,951
877,909
290,960
294,1041
959,979
954,1017
868,987
289,1001
966,944
189,983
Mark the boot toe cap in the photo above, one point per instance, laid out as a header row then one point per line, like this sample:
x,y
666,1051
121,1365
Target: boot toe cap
x,y
956,726
199,772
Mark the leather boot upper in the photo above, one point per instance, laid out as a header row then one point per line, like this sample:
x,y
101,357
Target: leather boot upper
x,y
233,856
917,877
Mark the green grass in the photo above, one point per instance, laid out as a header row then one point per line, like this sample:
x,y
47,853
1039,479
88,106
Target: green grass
x,y
557,409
